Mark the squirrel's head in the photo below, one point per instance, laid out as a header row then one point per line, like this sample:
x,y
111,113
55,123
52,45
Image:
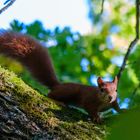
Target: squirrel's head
x,y
108,89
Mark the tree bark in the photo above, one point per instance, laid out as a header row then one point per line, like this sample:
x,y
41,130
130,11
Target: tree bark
x,y
26,114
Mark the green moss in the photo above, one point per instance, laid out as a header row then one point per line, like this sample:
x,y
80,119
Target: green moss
x,y
59,121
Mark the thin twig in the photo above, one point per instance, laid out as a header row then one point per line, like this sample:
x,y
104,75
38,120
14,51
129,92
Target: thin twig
x,y
7,6
133,43
133,94
102,7
135,90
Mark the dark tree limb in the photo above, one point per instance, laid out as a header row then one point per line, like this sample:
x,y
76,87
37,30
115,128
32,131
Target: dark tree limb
x,y
133,43
102,6
7,6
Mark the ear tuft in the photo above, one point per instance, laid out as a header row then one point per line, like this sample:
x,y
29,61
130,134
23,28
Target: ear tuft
x,y
115,80
100,81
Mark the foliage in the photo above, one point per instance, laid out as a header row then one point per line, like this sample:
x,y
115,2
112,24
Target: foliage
x,y
126,126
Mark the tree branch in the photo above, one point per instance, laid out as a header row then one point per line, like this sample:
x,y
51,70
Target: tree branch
x,y
135,90
7,6
102,7
133,94
133,43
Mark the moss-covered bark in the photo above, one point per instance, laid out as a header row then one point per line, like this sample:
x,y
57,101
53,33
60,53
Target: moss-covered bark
x,y
29,114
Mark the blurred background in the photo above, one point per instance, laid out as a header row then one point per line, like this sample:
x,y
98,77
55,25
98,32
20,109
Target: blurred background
x,y
85,41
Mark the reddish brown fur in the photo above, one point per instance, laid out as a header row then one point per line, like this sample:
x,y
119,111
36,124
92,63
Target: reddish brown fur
x,y
31,53
36,58
88,97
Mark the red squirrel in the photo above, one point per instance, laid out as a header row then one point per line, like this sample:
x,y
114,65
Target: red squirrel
x,y
35,57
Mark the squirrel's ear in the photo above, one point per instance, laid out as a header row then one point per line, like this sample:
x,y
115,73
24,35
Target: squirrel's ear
x,y
115,80
100,81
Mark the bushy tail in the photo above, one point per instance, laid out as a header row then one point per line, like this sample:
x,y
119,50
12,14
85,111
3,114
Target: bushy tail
x,y
30,53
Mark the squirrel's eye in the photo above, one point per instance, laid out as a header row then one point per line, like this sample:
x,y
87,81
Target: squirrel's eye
x,y
116,90
102,90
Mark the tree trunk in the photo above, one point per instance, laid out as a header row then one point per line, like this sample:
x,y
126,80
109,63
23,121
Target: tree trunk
x,y
26,114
